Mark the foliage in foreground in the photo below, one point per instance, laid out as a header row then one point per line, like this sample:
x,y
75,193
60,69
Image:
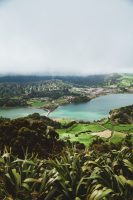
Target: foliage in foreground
x,y
34,133
84,175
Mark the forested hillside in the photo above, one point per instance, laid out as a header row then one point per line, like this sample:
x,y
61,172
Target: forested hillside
x,y
122,115
18,90
49,88
47,94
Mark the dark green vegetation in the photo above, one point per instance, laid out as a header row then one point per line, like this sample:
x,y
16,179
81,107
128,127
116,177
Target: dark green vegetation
x,y
91,80
37,162
80,132
83,132
49,92
125,81
119,124
66,160
34,133
121,80
21,134
34,89
13,102
123,115
74,175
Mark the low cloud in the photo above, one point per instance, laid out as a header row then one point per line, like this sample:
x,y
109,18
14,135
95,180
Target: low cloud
x,y
66,37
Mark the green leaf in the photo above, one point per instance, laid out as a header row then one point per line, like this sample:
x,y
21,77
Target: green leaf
x,y
32,180
104,194
128,164
50,194
17,177
130,182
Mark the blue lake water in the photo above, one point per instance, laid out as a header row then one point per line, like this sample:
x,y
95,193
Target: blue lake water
x,y
19,112
95,109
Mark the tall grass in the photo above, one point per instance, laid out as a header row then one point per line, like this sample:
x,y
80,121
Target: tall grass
x,y
74,175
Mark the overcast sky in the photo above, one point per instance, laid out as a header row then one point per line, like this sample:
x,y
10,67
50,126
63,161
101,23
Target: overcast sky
x,y
66,36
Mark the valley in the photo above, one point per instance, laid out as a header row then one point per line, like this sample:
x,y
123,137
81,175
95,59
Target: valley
x,y
49,93
63,140
66,100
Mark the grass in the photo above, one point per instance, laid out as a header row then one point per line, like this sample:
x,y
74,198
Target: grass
x,y
117,137
61,101
36,103
132,137
63,121
48,104
125,81
80,132
126,128
82,128
73,175
84,138
78,128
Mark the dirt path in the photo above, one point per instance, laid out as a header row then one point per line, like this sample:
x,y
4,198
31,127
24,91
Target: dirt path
x,y
104,134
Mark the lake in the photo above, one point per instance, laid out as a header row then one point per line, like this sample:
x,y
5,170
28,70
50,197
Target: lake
x,y
20,112
95,109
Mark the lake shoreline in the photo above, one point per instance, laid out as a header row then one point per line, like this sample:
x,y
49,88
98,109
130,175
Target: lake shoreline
x,y
81,112
94,97
57,115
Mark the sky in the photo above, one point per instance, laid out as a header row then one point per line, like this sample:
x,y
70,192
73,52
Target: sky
x,y
66,37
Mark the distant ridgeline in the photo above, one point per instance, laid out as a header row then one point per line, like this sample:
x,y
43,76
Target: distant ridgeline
x,y
91,80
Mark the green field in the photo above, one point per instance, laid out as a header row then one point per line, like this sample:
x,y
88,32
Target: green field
x,y
126,128
36,103
82,131
125,81
81,128
83,137
47,103
117,137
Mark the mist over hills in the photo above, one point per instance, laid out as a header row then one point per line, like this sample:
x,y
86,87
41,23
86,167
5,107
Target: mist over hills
x,y
89,80
69,78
